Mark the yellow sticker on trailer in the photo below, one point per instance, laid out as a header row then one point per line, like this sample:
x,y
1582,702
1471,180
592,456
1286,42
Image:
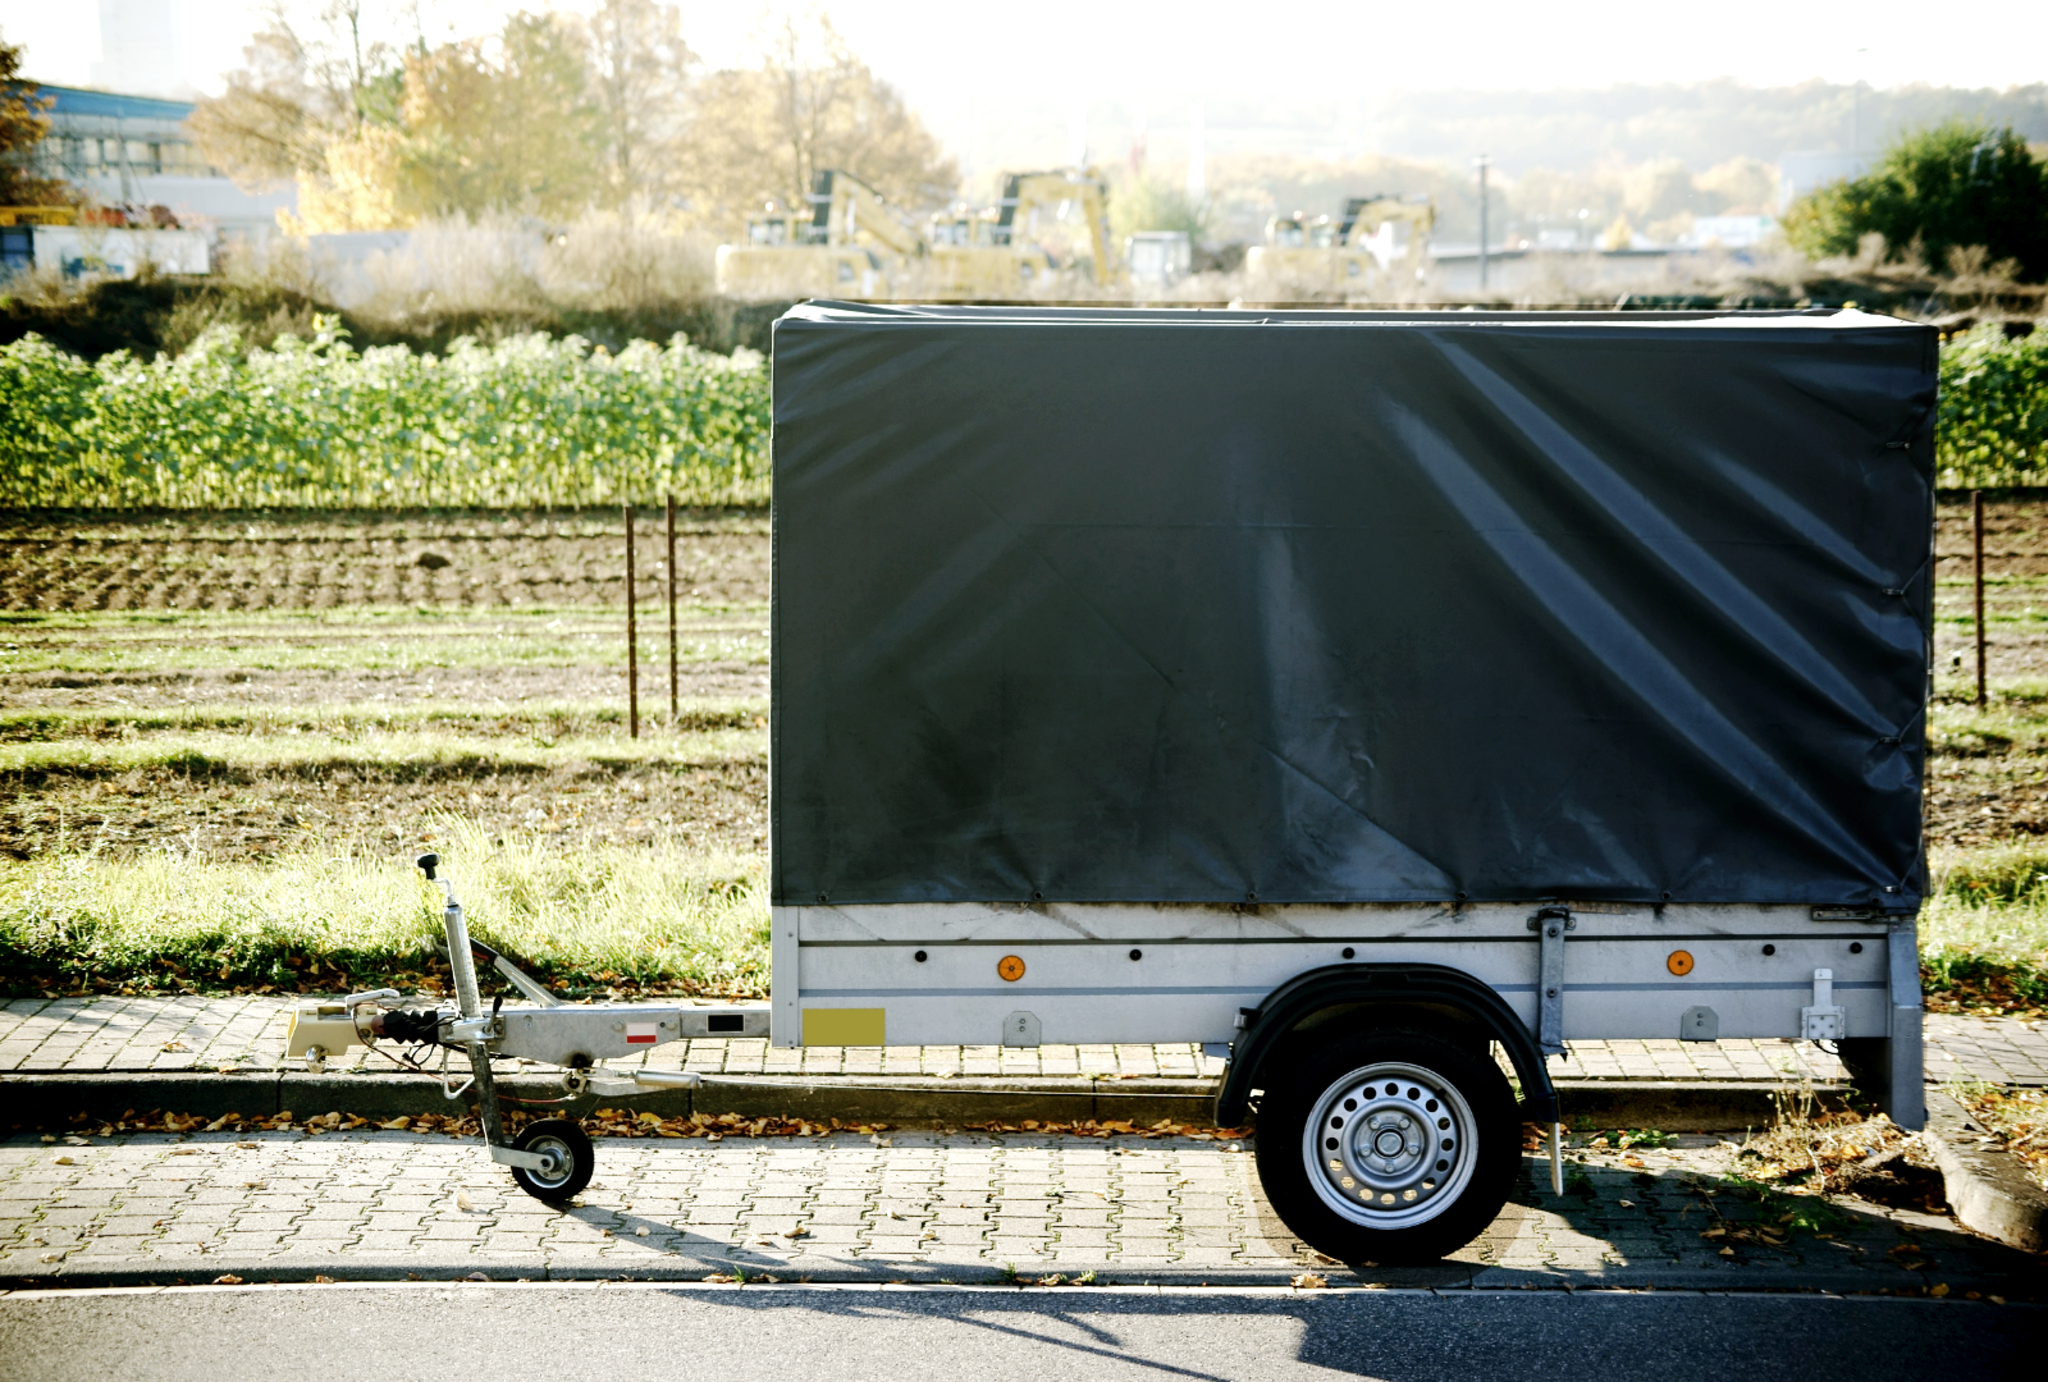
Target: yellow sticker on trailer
x,y
844,1026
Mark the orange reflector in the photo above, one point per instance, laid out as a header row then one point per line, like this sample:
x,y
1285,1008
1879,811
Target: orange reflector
x,y
1680,962
1011,968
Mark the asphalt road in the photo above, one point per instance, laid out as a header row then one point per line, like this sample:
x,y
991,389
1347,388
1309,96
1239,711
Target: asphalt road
x,y
498,1333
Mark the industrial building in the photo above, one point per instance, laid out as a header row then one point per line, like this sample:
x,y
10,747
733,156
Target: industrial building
x,y
135,151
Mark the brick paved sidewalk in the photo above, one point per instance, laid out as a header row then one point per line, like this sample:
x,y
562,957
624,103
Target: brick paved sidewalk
x,y
918,1206
120,1035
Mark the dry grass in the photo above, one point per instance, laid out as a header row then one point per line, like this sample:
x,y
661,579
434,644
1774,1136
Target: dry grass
x,y
651,917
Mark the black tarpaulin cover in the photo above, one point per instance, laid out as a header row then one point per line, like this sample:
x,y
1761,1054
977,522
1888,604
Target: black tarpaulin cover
x,y
1115,605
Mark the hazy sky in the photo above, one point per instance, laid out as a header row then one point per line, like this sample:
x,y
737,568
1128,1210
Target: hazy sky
x,y
1110,48
960,66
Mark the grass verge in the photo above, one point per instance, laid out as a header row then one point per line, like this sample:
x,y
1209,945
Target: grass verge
x,y
1984,932
600,919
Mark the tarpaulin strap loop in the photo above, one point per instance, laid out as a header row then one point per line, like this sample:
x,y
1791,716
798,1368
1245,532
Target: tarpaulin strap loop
x,y
1917,429
1917,718
1912,578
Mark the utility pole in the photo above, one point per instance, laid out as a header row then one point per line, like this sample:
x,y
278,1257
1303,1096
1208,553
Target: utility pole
x,y
1483,161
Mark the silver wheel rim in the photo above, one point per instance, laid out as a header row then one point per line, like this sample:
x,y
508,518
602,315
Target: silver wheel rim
x,y
561,1162
1390,1145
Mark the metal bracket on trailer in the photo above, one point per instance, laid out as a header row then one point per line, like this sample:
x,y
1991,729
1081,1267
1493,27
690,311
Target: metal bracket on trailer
x,y
1550,925
1822,1021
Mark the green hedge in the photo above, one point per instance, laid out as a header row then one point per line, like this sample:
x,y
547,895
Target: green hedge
x,y
1993,428
530,420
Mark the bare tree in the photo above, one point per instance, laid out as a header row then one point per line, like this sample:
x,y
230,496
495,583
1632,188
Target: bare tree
x,y
304,83
761,134
639,81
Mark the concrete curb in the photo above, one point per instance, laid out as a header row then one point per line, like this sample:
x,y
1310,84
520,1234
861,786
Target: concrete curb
x,y
908,1101
1449,1276
1988,1187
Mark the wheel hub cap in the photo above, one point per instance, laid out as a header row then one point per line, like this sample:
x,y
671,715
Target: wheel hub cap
x,y
559,1161
1390,1145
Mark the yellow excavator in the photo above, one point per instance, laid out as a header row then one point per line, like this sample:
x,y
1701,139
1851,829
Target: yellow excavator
x,y
1031,205
852,244
1361,255
849,244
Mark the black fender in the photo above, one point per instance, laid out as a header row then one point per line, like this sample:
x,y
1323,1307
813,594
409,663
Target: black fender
x,y
1429,990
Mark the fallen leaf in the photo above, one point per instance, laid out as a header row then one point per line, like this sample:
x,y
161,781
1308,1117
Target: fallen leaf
x,y
1309,1281
227,1279
720,1278
476,1276
323,1281
639,1233
51,1257
1938,1291
462,1201
1727,1252
1633,1161
65,1161
1626,1204
798,1232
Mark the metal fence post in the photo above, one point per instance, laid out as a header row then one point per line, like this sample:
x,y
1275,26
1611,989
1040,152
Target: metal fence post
x,y
1977,532
674,703
632,639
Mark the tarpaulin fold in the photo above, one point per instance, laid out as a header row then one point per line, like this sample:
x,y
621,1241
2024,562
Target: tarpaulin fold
x,y
1267,607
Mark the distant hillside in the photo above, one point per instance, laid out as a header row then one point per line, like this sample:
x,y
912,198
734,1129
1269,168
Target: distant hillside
x,y
1701,125
1656,155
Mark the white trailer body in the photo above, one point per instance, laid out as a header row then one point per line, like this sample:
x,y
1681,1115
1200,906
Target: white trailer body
x,y
930,973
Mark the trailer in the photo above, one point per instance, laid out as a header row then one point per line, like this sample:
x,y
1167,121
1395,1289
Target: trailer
x,y
1360,695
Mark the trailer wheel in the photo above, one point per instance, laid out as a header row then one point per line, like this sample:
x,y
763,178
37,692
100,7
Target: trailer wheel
x,y
572,1160
1390,1146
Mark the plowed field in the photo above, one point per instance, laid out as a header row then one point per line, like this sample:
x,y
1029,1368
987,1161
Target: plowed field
x,y
238,685
339,561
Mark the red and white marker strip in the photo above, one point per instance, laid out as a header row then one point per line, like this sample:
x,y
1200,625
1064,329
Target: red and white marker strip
x,y
640,1034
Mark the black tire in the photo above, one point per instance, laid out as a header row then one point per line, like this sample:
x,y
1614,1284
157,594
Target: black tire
x,y
575,1160
1389,1201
